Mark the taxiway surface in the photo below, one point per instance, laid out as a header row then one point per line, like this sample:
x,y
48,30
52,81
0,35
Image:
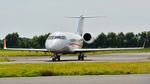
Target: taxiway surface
x,y
129,57
101,79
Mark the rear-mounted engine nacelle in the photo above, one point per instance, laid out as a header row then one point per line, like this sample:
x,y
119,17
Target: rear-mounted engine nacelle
x,y
88,38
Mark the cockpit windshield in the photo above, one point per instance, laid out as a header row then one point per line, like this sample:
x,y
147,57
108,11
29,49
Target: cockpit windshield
x,y
56,37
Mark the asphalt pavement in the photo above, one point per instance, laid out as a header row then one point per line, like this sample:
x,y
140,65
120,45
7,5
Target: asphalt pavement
x,y
100,79
129,57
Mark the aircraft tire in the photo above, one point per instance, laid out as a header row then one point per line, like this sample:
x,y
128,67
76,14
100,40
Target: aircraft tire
x,y
58,57
53,59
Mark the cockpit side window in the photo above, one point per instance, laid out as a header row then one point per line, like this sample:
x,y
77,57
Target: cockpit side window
x,y
56,37
50,37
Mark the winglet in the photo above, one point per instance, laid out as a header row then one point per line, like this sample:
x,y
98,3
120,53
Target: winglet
x,y
5,43
144,42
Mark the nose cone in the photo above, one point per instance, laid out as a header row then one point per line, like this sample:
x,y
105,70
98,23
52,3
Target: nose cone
x,y
55,45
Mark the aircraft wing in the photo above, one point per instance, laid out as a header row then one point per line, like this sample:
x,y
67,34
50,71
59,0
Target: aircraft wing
x,y
24,49
27,49
105,49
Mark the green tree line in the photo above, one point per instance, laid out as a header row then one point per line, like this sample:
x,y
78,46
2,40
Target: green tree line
x,y
103,40
13,40
119,40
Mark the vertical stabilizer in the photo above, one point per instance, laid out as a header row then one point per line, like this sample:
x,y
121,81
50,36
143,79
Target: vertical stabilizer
x,y
81,22
80,25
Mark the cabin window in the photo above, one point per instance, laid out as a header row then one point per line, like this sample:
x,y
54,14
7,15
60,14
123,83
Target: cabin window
x,y
56,37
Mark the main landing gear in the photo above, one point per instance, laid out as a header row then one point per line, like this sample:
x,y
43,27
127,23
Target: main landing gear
x,y
56,57
81,56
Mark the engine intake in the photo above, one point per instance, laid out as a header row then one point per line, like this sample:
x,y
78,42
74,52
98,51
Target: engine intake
x,y
88,38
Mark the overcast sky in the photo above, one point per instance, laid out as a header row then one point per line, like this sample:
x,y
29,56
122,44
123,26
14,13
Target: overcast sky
x,y
36,17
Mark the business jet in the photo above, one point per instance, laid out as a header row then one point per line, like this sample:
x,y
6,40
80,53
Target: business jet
x,y
69,43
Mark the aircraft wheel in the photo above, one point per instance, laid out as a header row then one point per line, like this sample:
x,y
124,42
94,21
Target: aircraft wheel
x,y
58,57
81,57
53,59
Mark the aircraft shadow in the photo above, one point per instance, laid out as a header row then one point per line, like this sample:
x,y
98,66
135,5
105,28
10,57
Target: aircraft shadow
x,y
69,60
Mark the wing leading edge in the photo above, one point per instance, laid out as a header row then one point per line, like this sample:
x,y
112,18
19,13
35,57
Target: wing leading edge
x,y
109,49
27,49
105,49
24,49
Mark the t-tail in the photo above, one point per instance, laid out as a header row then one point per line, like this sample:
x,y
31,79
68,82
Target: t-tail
x,y
81,22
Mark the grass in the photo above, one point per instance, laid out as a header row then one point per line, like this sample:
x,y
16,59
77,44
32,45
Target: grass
x,y
33,53
73,68
22,53
4,60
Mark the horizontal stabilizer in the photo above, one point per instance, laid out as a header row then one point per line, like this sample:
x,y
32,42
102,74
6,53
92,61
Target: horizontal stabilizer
x,y
81,22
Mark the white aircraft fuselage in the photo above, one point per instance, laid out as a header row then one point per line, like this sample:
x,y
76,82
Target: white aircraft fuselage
x,y
63,42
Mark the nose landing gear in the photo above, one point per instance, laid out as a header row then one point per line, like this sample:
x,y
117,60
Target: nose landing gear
x,y
56,57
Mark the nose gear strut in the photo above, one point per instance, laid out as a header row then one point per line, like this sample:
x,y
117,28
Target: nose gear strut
x,y
56,57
